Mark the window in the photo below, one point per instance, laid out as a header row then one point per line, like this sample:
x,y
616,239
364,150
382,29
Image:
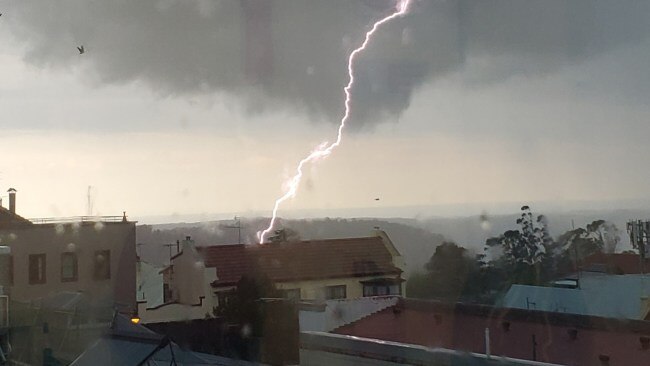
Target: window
x,y
335,292
291,294
224,297
10,270
102,265
382,287
37,267
69,267
6,269
381,290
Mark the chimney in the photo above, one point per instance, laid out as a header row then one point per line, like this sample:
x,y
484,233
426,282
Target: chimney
x,y
188,243
12,200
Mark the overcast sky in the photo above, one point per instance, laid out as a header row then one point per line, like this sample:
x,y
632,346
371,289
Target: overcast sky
x,y
205,106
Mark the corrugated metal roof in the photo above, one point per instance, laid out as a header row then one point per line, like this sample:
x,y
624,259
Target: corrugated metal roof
x,y
611,296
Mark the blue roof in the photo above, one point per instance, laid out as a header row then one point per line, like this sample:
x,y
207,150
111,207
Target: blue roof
x,y
129,344
610,296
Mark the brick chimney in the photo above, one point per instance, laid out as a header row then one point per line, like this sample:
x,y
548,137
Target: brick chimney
x,y
12,200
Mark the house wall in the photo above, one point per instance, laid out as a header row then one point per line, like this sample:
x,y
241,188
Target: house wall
x,y
190,283
187,277
325,349
313,289
172,312
467,333
83,239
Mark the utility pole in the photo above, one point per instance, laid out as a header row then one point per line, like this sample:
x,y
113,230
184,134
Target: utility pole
x,y
170,250
575,253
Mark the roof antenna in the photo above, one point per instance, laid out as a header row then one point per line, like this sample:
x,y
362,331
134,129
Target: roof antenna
x,y
89,203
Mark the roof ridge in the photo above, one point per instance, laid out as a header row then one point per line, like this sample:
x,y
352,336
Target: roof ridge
x,y
309,241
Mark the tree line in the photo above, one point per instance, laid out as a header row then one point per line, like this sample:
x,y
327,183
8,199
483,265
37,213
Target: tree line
x,y
526,255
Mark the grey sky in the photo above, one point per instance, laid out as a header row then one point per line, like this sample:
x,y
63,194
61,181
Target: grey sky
x,y
290,53
204,106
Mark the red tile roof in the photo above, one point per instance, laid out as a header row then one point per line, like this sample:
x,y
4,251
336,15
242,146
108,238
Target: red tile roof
x,y
305,260
8,218
619,263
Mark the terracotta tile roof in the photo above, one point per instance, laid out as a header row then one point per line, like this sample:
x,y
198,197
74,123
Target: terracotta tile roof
x,y
619,263
315,259
8,218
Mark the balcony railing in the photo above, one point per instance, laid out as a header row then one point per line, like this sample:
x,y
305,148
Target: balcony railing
x,y
76,219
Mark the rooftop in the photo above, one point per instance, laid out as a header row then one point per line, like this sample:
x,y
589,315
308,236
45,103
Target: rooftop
x,y
303,260
613,296
616,263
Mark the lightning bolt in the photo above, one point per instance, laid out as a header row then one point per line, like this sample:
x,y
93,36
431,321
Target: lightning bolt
x,y
325,149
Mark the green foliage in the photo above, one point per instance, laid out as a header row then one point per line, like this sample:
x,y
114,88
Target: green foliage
x,y
527,252
575,245
453,275
526,255
526,245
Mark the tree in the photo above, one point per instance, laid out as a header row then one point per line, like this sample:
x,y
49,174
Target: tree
x,y
447,274
611,236
529,243
453,275
575,245
526,252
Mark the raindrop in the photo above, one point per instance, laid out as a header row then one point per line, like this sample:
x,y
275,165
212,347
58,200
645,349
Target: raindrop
x,y
71,247
59,229
99,226
346,42
246,331
407,37
485,222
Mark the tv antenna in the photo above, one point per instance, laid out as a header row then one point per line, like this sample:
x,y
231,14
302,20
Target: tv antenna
x,y
90,201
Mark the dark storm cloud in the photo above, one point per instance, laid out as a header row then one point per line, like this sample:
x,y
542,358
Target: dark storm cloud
x,y
292,53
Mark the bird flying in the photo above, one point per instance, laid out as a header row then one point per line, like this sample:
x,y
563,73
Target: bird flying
x,y
81,49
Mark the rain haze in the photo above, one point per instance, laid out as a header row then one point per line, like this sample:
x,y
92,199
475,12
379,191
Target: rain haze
x,y
201,107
